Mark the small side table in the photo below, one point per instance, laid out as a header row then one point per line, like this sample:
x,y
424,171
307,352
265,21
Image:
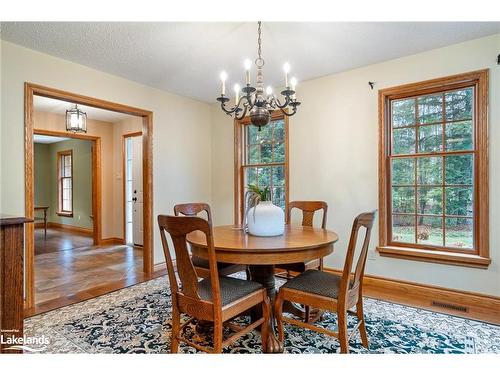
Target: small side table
x,y
44,209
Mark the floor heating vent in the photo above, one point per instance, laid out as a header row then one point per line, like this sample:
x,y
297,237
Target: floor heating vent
x,y
449,306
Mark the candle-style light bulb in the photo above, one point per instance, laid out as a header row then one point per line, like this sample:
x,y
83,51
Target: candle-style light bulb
x,y
237,93
248,65
269,90
223,77
286,68
293,82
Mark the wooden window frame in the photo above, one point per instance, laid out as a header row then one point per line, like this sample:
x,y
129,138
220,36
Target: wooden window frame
x,y
60,156
239,157
479,256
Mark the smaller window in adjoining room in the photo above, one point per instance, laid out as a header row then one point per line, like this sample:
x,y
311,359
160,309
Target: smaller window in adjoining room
x,y
65,182
433,170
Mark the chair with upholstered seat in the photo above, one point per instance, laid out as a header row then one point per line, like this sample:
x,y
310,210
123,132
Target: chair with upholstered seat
x,y
217,299
201,265
327,291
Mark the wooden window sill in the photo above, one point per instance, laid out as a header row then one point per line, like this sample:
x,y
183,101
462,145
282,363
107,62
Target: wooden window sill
x,y
434,256
66,214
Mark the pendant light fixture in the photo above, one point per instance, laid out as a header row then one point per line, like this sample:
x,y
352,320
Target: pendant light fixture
x,y
254,100
76,120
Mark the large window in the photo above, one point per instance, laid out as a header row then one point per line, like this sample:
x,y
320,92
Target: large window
x,y
434,169
65,182
262,160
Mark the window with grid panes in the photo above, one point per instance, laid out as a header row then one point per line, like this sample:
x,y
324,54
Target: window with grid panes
x,y
435,167
65,185
264,159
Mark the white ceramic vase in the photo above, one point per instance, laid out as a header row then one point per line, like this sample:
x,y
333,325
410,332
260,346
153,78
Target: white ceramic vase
x,y
266,220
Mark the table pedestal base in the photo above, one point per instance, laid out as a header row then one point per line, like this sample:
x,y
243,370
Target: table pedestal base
x,y
265,275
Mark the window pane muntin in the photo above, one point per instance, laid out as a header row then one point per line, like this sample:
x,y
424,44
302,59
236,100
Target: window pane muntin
x,y
403,171
430,230
430,108
459,233
459,136
279,152
403,228
430,200
430,170
403,141
459,201
266,153
403,112
403,200
430,138
459,104
459,169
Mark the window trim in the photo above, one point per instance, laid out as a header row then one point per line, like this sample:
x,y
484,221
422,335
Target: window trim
x,y
60,211
239,155
480,257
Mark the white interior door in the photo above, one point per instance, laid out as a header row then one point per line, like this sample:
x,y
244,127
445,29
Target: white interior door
x,y
137,200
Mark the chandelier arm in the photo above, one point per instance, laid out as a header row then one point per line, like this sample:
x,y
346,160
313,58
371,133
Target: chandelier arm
x,y
236,108
284,105
243,114
286,113
227,111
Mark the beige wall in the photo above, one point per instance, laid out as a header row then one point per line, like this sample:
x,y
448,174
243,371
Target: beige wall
x,y
104,130
181,128
334,151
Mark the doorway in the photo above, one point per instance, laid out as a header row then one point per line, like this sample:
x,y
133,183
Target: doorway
x,y
133,189
32,90
65,201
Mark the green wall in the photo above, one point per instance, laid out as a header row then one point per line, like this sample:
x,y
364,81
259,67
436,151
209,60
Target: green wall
x,y
46,180
42,171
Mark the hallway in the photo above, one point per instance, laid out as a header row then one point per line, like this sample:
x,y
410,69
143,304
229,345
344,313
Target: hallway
x,y
66,264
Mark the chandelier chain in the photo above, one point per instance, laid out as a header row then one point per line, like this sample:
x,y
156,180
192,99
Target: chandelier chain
x,y
260,61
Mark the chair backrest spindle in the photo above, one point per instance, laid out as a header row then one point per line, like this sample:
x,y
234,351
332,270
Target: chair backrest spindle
x,y
364,220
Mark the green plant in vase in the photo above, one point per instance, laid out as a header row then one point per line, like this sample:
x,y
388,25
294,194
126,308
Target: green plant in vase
x,y
266,219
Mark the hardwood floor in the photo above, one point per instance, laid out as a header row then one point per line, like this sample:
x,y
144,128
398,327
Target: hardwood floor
x,y
58,240
65,275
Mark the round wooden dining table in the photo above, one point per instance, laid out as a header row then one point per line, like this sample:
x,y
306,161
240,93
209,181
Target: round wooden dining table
x,y
297,244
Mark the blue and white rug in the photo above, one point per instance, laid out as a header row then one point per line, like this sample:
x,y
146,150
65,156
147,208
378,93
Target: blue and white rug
x,y
137,320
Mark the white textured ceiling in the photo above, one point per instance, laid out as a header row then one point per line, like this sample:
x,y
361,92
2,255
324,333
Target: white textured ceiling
x,y
41,103
186,58
47,139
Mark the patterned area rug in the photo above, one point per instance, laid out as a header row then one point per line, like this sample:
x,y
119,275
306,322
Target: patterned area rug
x,y
137,320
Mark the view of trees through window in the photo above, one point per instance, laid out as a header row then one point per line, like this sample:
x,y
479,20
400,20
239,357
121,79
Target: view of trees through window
x,y
264,162
432,169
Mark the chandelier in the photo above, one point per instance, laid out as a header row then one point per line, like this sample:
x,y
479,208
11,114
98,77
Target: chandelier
x,y
76,120
253,100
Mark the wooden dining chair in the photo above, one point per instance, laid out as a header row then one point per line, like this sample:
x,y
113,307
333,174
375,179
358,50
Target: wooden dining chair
x,y
201,265
215,299
328,291
308,209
